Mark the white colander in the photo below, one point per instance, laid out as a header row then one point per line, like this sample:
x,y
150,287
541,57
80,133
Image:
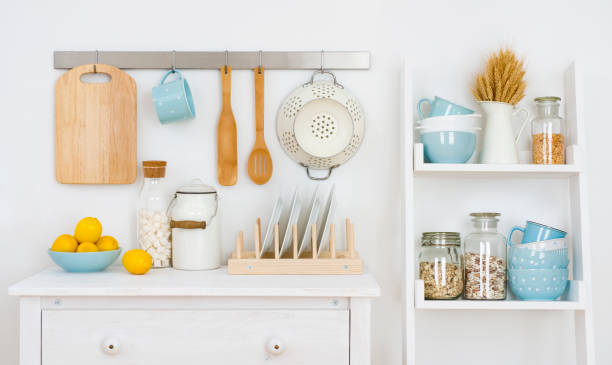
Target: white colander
x,y
320,125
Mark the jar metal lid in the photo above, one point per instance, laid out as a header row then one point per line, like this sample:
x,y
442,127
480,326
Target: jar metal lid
x,y
485,215
547,99
441,238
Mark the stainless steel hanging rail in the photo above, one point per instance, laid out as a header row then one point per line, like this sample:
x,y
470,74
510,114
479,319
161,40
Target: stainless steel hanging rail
x,y
359,60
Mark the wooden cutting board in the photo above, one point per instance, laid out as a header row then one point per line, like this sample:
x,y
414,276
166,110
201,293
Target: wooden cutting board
x,y
95,128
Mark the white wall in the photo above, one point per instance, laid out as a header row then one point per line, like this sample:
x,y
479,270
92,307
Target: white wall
x,y
446,41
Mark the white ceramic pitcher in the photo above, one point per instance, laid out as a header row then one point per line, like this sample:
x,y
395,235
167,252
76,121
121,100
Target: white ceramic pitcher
x,y
499,145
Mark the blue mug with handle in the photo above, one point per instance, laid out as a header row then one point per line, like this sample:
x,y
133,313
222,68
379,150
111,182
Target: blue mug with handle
x,y
439,107
534,232
173,100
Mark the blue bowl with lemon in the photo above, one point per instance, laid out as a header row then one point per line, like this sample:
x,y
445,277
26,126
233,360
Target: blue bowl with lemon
x,y
84,261
87,250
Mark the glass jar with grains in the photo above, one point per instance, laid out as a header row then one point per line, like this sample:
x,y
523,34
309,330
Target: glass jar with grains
x,y
547,132
441,265
485,259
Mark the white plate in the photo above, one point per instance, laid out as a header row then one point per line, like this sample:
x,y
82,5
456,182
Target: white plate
x,y
294,215
312,219
328,216
276,213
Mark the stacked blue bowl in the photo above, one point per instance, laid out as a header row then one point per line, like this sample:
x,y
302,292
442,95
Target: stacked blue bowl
x,y
449,138
538,270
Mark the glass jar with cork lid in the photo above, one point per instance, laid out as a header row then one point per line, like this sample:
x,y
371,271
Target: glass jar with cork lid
x,y
153,224
441,265
548,132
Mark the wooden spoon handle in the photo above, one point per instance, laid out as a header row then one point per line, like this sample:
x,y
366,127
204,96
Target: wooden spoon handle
x,y
226,85
259,99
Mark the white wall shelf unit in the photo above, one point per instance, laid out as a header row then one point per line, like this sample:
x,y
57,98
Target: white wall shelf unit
x,y
422,168
438,185
573,299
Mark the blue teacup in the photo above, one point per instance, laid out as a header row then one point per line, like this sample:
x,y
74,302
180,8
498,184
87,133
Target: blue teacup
x,y
534,232
173,100
439,107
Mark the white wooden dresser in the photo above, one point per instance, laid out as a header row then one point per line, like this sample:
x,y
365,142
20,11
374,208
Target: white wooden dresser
x,y
194,317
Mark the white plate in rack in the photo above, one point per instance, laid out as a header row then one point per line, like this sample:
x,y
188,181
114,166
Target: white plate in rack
x,y
274,218
312,219
294,215
327,218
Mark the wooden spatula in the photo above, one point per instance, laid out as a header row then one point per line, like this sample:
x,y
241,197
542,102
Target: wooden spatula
x,y
227,149
260,162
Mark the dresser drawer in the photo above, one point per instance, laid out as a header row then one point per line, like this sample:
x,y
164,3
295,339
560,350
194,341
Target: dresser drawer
x,y
207,337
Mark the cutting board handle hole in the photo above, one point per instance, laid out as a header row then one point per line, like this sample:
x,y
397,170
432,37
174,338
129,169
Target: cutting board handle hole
x,y
95,78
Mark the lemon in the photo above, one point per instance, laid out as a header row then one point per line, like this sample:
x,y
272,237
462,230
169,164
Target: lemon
x,y
87,247
88,230
107,243
137,261
64,243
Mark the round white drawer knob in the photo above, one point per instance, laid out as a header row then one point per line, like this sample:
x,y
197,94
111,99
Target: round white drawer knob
x,y
275,346
110,346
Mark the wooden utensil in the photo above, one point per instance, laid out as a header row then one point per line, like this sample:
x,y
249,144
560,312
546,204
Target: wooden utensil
x,y
95,127
260,162
227,149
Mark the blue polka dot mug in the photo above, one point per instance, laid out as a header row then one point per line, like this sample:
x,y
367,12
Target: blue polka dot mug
x,y
536,232
173,100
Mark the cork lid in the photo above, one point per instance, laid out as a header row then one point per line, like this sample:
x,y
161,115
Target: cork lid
x,y
154,168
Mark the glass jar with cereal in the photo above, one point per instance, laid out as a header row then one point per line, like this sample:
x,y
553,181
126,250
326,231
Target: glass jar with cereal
x,y
485,259
547,132
441,265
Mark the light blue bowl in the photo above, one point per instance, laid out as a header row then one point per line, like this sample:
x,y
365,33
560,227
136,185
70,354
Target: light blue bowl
x,y
538,284
448,146
524,258
84,261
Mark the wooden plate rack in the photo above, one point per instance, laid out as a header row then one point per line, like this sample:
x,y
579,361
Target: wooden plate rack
x,y
330,262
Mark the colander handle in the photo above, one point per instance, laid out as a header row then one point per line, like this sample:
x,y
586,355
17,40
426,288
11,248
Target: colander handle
x,y
323,72
329,171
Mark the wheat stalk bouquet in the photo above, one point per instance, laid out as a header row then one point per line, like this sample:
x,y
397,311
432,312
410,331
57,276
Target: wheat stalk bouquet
x,y
502,80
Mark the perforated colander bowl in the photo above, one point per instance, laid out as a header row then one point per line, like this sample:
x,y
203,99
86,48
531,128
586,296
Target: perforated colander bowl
x,y
320,125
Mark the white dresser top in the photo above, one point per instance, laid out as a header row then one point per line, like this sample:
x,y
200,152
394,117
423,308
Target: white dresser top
x,y
115,281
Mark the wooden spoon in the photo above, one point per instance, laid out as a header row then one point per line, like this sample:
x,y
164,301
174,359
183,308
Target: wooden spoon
x,y
260,162
227,149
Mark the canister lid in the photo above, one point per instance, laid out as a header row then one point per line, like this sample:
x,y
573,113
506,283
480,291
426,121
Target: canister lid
x,y
547,99
485,215
196,187
441,238
154,168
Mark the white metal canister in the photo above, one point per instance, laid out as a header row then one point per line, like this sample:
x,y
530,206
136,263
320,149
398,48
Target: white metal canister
x,y
196,242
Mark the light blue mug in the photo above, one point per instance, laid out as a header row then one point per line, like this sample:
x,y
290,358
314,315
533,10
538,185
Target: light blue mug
x,y
173,100
439,107
534,232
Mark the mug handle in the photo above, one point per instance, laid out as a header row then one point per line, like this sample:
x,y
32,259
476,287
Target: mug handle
x,y
515,228
527,117
424,100
180,76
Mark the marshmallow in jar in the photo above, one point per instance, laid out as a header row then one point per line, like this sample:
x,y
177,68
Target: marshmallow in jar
x,y
196,242
153,223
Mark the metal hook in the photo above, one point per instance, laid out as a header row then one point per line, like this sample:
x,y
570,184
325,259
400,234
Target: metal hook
x,y
226,58
95,70
322,60
173,61
260,57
